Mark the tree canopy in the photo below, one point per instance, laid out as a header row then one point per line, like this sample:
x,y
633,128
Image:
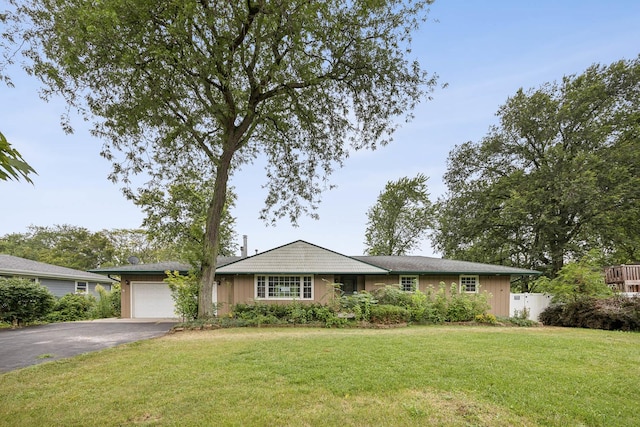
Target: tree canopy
x,y
77,247
176,217
400,218
64,245
208,86
558,176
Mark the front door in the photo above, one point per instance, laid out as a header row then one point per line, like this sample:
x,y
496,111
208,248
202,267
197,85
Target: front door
x,y
349,284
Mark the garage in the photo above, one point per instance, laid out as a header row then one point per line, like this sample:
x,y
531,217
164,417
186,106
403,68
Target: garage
x,y
151,300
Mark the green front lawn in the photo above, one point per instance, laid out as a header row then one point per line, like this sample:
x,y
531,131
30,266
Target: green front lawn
x,y
433,375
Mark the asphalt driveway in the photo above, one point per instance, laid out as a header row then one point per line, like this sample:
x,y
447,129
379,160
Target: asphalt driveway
x,y
44,343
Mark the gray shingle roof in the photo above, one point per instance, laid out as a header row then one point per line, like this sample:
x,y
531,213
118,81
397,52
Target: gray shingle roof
x,y
157,268
429,265
15,266
300,257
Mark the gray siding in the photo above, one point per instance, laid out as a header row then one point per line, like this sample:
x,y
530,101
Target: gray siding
x,y
59,288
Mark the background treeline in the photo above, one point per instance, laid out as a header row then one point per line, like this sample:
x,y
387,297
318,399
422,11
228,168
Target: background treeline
x,y
77,247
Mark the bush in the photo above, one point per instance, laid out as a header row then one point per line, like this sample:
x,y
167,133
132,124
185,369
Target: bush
x,y
23,301
440,305
72,307
455,306
518,321
486,318
359,304
115,298
576,280
297,313
184,291
386,305
387,314
616,313
393,295
282,314
103,307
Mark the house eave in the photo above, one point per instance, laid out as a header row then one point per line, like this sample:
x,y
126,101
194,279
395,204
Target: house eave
x,y
37,275
457,273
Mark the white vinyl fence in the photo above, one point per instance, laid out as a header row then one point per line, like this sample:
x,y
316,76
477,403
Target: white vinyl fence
x,y
535,303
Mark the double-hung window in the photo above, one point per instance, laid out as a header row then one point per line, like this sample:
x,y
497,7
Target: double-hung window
x,y
82,287
284,287
409,283
469,283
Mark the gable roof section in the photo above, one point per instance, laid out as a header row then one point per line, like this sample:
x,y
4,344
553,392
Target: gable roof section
x,y
15,266
297,258
429,265
157,268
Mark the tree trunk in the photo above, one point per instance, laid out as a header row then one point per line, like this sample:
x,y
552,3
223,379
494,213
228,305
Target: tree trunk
x,y
557,258
212,236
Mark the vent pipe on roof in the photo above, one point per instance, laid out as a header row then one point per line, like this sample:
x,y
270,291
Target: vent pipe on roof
x,y
244,249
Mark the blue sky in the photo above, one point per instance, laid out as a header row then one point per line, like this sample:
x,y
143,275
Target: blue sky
x,y
485,51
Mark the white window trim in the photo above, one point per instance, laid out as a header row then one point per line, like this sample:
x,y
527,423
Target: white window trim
x,y
416,281
86,291
477,279
268,298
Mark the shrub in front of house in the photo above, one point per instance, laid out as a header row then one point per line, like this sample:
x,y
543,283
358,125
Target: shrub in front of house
x,y
357,306
436,306
387,314
23,301
184,292
615,313
73,307
115,298
393,295
294,313
386,305
103,308
488,319
464,307
418,304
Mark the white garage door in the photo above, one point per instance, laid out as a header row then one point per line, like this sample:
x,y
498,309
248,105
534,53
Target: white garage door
x,y
151,300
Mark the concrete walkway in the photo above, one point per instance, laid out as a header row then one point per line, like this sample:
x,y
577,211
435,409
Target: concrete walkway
x,y
44,343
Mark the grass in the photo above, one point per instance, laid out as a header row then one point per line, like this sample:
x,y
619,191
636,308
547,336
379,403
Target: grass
x,y
441,376
46,356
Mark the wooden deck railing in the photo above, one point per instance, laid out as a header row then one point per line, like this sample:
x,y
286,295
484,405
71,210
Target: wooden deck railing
x,y
625,277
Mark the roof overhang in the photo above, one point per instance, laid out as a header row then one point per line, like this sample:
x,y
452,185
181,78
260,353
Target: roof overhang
x,y
37,275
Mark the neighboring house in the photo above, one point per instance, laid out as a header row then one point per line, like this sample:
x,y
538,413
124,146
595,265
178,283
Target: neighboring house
x,y
59,280
304,272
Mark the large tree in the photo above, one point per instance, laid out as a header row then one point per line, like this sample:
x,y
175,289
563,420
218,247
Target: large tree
x,y
400,218
210,85
558,176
